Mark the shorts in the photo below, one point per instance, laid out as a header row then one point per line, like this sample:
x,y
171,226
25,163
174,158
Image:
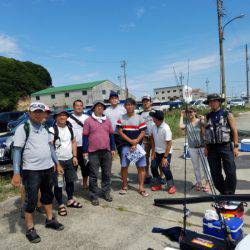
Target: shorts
x,y
34,180
125,162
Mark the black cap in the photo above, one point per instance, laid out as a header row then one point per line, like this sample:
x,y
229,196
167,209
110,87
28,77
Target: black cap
x,y
213,97
113,94
157,114
59,111
130,101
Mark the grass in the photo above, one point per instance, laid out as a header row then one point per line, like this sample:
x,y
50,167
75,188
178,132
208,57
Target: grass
x,y
6,190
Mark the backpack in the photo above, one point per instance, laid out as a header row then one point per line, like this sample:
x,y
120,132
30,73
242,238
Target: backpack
x,y
56,132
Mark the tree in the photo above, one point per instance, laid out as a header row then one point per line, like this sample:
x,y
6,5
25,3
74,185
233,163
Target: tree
x,y
20,79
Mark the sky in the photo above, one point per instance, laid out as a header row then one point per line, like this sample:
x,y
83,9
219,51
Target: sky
x,y
86,40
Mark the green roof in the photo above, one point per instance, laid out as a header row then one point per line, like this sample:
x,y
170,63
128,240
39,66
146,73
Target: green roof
x,y
81,86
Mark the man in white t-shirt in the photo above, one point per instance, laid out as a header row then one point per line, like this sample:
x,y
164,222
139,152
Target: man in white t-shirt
x,y
77,120
66,150
161,137
114,113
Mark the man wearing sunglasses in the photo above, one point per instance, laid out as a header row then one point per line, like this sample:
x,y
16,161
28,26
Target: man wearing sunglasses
x,y
35,154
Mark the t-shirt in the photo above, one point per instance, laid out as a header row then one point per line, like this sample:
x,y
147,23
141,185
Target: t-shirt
x,y
63,146
98,134
77,129
36,153
114,115
149,121
194,136
131,126
162,134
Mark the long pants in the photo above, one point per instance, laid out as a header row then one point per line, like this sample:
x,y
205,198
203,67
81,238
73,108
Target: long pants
x,y
82,163
97,159
199,161
147,148
69,191
155,164
221,156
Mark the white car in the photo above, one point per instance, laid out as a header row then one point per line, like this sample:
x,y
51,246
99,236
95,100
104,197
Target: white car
x,y
238,102
199,104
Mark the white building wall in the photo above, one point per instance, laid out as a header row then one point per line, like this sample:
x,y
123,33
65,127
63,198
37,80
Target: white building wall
x,y
99,92
168,93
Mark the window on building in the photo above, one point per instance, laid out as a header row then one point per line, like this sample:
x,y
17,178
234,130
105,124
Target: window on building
x,y
163,98
180,90
104,92
53,96
118,92
174,90
66,95
84,92
168,91
162,92
38,98
156,93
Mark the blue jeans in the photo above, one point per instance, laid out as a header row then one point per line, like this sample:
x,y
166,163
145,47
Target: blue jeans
x,y
155,164
222,156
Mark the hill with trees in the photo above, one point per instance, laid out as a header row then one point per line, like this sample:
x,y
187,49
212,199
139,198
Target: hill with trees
x,y
18,80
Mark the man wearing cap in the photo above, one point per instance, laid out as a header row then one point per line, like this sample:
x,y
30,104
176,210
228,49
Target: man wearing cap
x,y
114,112
36,154
77,120
161,139
147,108
221,139
66,150
99,147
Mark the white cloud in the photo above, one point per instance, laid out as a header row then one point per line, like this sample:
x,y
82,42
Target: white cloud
x,y
8,46
89,48
140,12
127,27
83,77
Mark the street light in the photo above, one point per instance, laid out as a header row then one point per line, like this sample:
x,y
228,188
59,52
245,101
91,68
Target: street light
x,y
221,38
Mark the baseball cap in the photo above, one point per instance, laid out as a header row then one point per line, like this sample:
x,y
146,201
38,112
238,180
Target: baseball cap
x,y
113,94
61,110
146,97
37,106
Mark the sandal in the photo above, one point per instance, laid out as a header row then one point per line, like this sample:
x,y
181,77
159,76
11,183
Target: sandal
x,y
143,193
123,191
62,211
75,204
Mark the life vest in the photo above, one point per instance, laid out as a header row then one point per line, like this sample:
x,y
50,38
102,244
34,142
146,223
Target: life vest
x,y
219,131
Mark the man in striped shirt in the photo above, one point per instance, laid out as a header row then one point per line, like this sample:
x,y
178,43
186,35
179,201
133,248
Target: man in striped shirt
x,y
131,128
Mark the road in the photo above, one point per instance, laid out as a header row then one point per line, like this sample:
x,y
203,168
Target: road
x,y
126,223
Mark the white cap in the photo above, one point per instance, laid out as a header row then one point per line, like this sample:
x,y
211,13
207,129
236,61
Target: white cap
x,y
37,106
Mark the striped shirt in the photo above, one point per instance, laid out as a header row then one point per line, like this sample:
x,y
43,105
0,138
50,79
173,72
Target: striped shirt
x,y
131,126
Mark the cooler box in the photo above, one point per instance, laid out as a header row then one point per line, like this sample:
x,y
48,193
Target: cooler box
x,y
245,145
213,228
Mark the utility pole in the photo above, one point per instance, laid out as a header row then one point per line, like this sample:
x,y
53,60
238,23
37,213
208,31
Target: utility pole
x,y
247,76
181,78
123,65
207,82
222,68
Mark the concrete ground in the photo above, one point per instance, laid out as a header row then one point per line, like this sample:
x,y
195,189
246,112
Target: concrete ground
x,y
126,223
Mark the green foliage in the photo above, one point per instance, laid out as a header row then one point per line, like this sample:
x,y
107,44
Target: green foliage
x,y
172,118
19,79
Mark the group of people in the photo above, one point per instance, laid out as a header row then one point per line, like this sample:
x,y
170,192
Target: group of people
x,y
46,158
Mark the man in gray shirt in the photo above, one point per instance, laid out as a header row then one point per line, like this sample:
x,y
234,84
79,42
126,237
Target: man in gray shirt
x,y
34,153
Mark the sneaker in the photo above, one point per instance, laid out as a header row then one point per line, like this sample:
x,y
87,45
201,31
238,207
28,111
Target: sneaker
x,y
156,188
32,236
95,202
172,190
107,197
54,224
123,191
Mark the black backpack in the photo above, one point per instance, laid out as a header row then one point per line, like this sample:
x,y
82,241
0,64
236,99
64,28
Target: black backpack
x,y
56,132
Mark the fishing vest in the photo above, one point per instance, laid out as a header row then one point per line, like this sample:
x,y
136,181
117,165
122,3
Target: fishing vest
x,y
219,131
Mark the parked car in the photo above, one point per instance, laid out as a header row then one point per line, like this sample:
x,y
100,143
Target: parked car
x,y
199,104
237,102
6,117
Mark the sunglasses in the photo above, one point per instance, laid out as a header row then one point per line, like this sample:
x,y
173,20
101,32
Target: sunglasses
x,y
37,106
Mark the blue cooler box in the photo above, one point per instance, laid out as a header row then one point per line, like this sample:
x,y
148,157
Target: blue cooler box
x,y
213,228
245,145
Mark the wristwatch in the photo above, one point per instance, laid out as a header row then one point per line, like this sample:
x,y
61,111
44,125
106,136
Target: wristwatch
x,y
236,145
165,157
